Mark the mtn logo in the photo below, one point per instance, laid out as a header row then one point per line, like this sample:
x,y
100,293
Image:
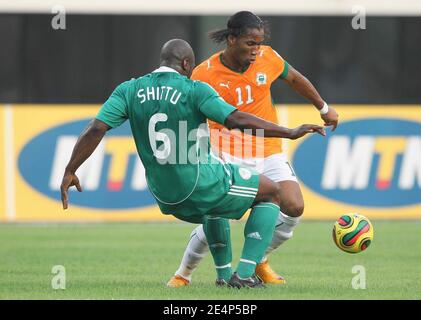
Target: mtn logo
x,y
369,162
112,178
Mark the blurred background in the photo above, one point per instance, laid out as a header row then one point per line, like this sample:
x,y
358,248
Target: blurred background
x,y
101,47
60,60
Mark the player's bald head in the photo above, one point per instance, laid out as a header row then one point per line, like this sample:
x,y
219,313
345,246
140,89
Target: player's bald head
x,y
178,54
176,50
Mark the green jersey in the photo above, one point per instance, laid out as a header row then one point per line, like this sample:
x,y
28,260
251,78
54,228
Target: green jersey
x,y
167,114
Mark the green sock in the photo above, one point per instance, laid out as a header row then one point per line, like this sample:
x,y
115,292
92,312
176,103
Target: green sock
x,y
217,231
258,234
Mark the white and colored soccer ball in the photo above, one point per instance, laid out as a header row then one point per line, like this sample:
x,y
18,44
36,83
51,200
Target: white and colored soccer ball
x,y
353,233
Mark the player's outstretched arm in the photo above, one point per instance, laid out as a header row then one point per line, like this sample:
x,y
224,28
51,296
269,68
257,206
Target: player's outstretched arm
x,y
242,120
305,88
85,146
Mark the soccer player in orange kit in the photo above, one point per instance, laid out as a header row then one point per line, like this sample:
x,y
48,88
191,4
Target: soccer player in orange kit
x,y
242,74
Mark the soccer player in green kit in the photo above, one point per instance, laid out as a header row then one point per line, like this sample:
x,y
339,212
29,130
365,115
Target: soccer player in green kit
x,y
167,112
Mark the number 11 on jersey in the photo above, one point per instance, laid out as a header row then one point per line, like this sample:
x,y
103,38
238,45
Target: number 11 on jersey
x,y
240,95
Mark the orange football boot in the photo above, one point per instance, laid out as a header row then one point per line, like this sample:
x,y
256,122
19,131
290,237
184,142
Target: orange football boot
x,y
177,281
267,274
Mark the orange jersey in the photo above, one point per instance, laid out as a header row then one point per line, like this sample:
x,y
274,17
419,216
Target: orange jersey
x,y
248,92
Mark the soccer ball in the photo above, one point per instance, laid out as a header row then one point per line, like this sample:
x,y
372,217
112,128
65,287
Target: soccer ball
x,y
353,233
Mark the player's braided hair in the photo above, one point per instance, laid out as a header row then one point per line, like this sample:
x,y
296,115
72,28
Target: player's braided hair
x,y
237,25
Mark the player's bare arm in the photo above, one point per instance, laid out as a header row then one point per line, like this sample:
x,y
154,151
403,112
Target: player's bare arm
x,y
242,120
305,88
85,146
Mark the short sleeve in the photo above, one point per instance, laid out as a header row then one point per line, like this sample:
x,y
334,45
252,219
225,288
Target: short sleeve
x,y
279,64
115,110
198,73
211,104
285,71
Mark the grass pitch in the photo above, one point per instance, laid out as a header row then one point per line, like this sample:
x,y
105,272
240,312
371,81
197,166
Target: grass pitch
x,y
134,261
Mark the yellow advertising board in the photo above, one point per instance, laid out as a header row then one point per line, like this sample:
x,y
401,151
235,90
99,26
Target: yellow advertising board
x,y
371,164
113,182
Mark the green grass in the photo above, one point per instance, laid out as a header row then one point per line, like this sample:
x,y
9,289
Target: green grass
x,y
134,261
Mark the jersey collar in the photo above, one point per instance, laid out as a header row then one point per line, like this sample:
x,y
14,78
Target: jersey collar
x,y
221,59
165,69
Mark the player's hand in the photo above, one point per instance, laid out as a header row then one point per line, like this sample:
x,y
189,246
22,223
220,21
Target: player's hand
x,y
69,180
330,118
304,129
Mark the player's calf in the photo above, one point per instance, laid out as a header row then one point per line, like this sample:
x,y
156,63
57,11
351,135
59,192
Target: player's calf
x,y
259,228
196,249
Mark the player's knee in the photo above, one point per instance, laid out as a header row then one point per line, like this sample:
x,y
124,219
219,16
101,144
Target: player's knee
x,y
294,209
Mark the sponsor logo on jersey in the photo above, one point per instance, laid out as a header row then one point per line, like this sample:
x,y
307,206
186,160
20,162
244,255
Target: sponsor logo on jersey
x,y
225,85
112,178
369,162
244,173
261,78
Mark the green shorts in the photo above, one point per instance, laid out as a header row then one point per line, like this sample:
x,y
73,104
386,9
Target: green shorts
x,y
230,197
